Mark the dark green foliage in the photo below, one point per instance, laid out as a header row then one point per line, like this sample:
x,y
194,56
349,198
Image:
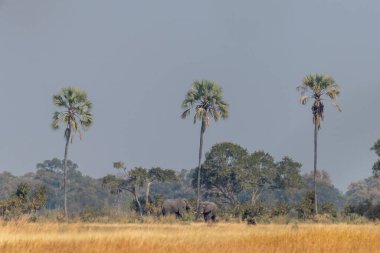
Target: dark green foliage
x,y
55,165
155,205
113,184
38,198
132,181
153,208
24,201
288,174
90,214
329,208
376,165
220,175
327,192
137,180
257,173
306,207
83,190
134,205
376,147
22,191
365,208
280,209
267,210
330,198
159,175
376,168
278,182
232,175
253,211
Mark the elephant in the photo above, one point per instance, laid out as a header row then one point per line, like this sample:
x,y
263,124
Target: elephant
x,y
209,211
175,206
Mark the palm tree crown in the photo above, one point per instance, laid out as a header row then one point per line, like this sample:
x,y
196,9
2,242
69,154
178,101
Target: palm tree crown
x,y
207,100
76,113
318,86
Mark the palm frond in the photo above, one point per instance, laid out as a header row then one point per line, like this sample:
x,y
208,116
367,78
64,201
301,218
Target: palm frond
x,y
185,113
77,111
55,122
319,85
205,97
304,99
337,106
207,120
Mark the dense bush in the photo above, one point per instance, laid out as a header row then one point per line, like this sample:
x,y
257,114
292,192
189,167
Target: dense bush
x,y
90,214
25,201
152,208
366,208
253,211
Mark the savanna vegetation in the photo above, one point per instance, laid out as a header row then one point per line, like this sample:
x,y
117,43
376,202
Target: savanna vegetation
x,y
128,208
194,237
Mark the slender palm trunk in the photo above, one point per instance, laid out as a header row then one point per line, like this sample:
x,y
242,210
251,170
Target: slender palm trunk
x,y
315,168
203,128
65,173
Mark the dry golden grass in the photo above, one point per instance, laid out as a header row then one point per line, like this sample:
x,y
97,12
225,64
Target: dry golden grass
x,y
103,238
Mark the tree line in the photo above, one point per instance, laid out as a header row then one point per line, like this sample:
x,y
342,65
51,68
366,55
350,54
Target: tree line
x,y
230,174
283,191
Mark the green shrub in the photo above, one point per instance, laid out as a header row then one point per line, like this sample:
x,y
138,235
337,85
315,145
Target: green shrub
x,y
305,208
254,211
90,214
281,209
329,208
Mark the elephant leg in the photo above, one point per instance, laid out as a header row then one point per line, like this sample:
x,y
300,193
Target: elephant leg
x,y
207,217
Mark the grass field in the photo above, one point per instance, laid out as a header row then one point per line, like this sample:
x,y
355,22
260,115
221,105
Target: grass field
x,y
202,238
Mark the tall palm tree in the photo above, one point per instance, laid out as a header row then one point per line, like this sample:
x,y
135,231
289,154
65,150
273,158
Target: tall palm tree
x,y
205,97
75,114
318,87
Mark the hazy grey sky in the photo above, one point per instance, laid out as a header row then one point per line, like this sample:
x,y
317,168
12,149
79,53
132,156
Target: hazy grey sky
x,y
137,59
